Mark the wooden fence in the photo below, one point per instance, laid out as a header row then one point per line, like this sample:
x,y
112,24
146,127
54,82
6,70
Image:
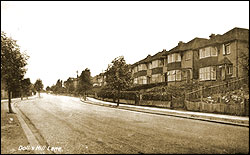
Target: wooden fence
x,y
199,94
194,101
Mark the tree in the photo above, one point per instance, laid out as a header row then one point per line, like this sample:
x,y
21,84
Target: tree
x,y
38,86
13,64
47,88
69,85
244,61
118,76
85,83
25,87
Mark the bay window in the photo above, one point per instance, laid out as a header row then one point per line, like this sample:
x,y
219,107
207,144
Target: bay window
x,y
207,52
174,75
175,57
207,73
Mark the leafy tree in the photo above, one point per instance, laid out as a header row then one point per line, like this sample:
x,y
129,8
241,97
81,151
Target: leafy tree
x,y
38,86
69,85
58,88
25,87
244,61
13,64
118,76
84,83
48,88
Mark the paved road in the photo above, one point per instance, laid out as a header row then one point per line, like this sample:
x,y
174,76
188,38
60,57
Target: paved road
x,y
79,127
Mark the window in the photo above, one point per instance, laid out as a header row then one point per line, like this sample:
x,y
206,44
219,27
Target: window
x,y
207,52
226,49
214,51
142,80
142,67
178,75
135,69
230,69
170,58
207,73
202,53
174,75
155,64
213,73
175,57
160,63
139,67
135,81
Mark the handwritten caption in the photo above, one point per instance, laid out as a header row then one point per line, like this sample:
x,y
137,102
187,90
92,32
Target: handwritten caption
x,y
40,148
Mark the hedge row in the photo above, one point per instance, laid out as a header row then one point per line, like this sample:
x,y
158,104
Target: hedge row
x,y
127,95
156,97
132,95
146,86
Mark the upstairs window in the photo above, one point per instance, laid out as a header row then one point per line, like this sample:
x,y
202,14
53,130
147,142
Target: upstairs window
x,y
135,69
142,67
226,49
175,57
155,64
207,52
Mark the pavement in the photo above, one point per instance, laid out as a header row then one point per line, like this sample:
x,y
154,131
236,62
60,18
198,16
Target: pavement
x,y
210,117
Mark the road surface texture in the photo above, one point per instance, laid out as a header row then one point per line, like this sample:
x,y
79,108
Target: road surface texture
x,y
78,127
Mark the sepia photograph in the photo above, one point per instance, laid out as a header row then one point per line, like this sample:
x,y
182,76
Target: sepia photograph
x,y
124,77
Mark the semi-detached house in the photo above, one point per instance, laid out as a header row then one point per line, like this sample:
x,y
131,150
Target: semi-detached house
x,y
205,60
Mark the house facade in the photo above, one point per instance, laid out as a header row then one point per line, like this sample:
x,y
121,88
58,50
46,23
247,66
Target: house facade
x,y
149,70
218,58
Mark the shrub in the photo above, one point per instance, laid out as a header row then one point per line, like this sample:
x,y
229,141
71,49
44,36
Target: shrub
x,y
128,95
156,97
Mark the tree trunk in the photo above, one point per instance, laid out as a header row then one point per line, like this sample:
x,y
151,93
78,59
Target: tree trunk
x,y
39,94
9,102
118,97
21,95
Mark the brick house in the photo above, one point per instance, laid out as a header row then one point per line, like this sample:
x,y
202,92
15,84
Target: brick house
x,y
180,61
219,59
149,70
205,60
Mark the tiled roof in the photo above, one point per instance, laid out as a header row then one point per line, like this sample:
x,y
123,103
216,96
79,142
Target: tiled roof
x,y
192,44
235,33
149,58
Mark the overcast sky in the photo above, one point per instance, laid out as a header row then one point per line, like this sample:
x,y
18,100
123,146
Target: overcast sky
x,y
63,37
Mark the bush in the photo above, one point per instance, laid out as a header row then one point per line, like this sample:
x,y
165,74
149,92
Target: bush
x,y
157,97
106,94
146,86
128,95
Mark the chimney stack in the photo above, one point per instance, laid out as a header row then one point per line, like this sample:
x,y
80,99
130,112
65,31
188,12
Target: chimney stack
x,y
212,36
180,43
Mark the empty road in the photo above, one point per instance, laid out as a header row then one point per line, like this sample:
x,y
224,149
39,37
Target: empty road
x,y
79,127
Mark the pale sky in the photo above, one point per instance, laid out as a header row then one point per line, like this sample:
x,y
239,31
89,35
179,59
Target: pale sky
x,y
63,37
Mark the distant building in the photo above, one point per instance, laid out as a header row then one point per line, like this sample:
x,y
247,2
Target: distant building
x,y
99,80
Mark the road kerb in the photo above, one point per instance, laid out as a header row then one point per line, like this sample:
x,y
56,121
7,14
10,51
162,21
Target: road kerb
x,y
35,145
30,136
194,117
